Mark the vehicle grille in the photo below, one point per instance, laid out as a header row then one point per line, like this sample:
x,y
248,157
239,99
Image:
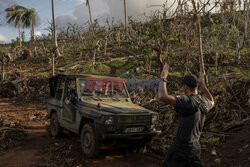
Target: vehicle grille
x,y
129,120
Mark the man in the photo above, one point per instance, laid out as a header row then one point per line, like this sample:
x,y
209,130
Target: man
x,y
191,109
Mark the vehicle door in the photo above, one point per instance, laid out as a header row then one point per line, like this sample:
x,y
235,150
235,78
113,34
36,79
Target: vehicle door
x,y
58,89
69,104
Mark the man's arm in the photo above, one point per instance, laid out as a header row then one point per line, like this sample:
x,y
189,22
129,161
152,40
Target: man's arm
x,y
163,92
205,89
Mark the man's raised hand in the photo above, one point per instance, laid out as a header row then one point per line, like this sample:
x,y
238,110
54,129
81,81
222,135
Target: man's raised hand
x,y
164,72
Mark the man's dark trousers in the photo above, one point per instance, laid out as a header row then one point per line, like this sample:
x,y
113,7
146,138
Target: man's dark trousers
x,y
180,155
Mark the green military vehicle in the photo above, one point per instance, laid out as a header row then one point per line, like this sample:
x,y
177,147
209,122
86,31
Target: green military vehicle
x,y
98,109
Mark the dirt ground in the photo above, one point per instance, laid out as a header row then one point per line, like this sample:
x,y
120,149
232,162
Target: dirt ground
x,y
234,151
36,148
39,149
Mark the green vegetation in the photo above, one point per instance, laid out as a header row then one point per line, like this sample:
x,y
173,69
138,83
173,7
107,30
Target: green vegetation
x,y
213,140
245,76
116,63
42,74
141,52
21,15
147,45
102,69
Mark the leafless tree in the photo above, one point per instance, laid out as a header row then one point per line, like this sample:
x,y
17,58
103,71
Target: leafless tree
x,y
197,20
96,49
2,65
125,15
240,42
55,38
90,14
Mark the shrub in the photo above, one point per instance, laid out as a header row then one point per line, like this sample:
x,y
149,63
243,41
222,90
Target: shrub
x,y
116,63
102,69
213,140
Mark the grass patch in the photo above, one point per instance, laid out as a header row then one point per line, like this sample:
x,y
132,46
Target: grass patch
x,y
213,140
245,76
116,63
42,74
102,69
87,69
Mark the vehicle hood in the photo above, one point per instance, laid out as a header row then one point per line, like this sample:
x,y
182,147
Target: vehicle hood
x,y
120,107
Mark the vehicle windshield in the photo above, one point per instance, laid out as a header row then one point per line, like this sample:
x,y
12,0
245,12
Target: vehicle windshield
x,y
102,88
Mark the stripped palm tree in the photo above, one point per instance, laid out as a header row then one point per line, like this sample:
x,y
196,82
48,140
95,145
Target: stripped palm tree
x,y
91,28
29,20
14,14
90,15
125,15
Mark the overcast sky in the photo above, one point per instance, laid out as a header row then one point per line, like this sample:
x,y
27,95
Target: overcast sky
x,y
76,12
73,11
43,9
103,9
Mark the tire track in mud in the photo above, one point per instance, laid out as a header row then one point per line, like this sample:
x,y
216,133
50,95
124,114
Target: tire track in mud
x,y
39,149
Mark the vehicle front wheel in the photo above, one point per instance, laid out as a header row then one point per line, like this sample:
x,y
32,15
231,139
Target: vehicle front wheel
x,y
90,144
139,147
55,128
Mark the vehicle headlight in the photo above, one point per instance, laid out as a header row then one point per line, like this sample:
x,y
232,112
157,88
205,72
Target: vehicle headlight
x,y
109,120
154,121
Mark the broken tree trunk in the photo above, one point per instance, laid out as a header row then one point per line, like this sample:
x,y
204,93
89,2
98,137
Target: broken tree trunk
x,y
2,66
19,31
125,15
216,63
202,66
197,20
96,49
54,29
241,42
105,45
93,61
53,64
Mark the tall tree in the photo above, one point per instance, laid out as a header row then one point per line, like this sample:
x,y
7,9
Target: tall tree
x,y
90,14
197,19
29,20
14,14
125,15
2,65
241,41
57,53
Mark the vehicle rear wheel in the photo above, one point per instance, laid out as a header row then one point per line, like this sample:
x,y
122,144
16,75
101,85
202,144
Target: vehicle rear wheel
x,y
90,144
55,128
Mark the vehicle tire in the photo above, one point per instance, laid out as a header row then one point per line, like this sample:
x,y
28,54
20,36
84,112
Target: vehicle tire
x,y
90,144
55,128
138,147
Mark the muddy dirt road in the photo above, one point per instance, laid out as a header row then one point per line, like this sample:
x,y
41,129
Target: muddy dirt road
x,y
39,149
29,144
